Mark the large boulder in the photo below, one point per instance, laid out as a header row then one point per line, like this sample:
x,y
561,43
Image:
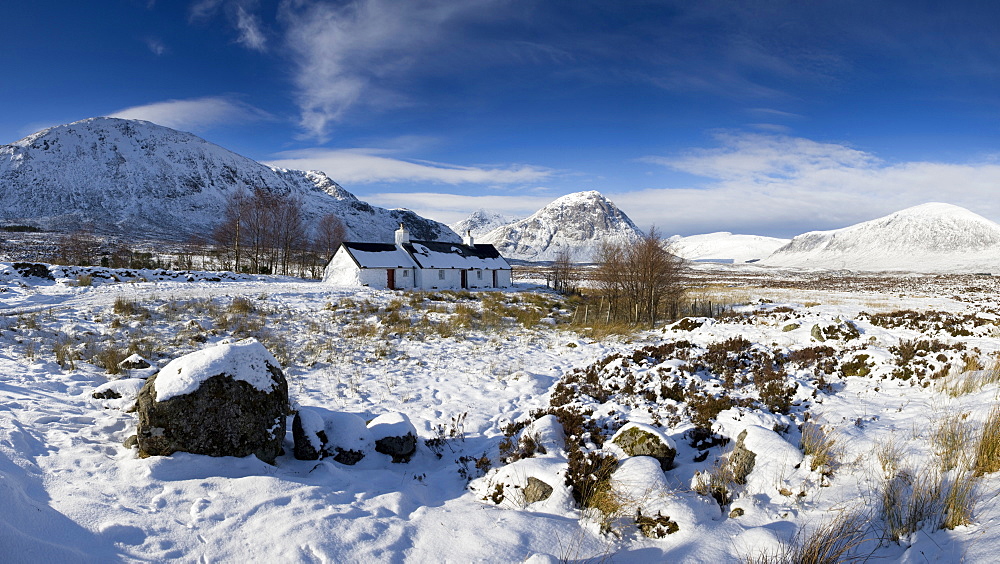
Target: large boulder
x,y
226,400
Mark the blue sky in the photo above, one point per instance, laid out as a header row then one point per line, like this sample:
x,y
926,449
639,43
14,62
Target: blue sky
x,y
769,118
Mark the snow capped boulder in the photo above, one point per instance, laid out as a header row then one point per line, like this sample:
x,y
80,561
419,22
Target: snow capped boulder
x,y
394,435
639,439
227,400
319,433
641,487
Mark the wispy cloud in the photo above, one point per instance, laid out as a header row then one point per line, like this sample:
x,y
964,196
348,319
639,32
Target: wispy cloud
x,y
240,14
353,53
194,114
366,166
156,46
251,34
777,184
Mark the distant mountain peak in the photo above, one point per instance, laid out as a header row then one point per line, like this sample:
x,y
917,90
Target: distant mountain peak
x,y
579,223
932,237
480,222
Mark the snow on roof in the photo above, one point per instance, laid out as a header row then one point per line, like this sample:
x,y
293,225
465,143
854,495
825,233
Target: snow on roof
x,y
245,360
379,255
434,254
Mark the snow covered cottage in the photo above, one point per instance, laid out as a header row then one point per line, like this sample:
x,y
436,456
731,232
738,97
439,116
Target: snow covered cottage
x,y
420,265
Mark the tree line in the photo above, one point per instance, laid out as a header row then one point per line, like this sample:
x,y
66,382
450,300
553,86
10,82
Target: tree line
x,y
264,232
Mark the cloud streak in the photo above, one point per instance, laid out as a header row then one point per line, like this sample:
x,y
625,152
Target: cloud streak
x,y
366,166
194,114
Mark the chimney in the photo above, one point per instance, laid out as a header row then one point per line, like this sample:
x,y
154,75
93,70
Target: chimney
x,y
402,236
467,240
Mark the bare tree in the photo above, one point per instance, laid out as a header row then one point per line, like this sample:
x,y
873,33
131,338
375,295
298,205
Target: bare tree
x,y
229,234
642,281
564,274
330,233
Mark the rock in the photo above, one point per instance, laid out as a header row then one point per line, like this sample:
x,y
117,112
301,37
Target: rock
x,y
736,512
536,490
639,439
394,435
319,433
108,393
33,270
226,400
309,435
131,441
134,362
741,460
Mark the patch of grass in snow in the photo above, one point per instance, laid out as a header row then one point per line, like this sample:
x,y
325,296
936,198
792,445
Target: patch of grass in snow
x,y
832,542
987,446
818,443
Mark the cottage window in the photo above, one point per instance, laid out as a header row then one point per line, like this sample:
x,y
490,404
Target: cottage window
x,y
440,275
479,274
406,274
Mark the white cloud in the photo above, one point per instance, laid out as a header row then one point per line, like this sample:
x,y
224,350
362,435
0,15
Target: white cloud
x,y
251,35
364,166
156,46
451,208
774,184
194,114
351,53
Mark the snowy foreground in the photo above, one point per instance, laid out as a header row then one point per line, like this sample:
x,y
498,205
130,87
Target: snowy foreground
x,y
898,398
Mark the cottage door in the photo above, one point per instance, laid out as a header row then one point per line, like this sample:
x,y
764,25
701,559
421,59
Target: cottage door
x,y
390,278
495,279
465,279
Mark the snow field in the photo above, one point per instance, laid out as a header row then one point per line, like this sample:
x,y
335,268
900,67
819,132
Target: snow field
x,y
75,494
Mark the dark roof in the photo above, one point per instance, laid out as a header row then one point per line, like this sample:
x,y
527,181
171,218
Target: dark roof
x,y
377,255
438,254
370,247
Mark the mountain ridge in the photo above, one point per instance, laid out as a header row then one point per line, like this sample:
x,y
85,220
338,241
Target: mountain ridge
x,y
128,177
931,237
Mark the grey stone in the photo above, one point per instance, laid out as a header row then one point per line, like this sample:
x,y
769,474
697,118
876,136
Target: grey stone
x,y
742,460
536,490
636,442
401,449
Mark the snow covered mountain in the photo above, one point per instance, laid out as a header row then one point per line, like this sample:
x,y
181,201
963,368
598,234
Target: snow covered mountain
x,y
931,237
725,247
577,222
131,177
481,222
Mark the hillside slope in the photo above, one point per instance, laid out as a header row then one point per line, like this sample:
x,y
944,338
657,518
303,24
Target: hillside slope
x,y
131,177
932,237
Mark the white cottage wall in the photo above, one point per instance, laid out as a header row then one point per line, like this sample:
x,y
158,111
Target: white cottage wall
x,y
342,270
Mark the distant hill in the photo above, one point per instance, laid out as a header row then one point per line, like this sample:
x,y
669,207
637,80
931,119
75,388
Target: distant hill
x,y
139,179
578,222
725,247
481,222
932,237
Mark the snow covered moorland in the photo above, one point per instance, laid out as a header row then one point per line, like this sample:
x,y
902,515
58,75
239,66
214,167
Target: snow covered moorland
x,y
847,415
